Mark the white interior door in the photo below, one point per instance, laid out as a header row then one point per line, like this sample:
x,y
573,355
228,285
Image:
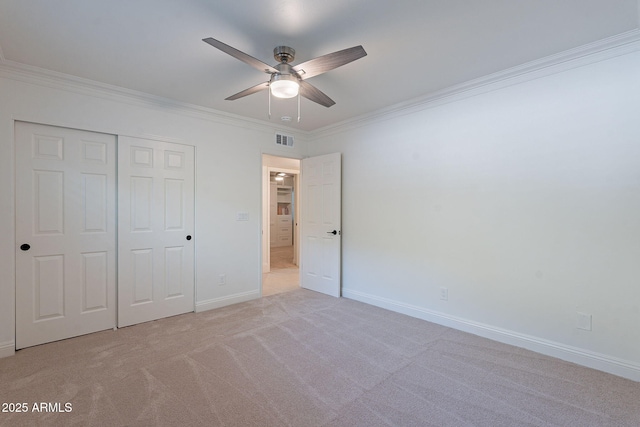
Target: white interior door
x,y
66,234
321,235
155,230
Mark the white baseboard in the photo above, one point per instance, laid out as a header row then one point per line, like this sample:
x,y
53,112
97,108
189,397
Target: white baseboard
x,y
7,349
576,355
227,300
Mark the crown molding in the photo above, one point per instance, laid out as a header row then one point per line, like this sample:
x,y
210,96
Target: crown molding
x,y
600,50
56,80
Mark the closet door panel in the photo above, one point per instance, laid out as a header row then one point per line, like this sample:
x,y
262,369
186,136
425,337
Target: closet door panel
x,y
66,233
156,226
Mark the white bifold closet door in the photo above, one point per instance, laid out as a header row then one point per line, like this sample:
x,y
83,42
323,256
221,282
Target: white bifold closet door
x,y
155,230
65,231
67,222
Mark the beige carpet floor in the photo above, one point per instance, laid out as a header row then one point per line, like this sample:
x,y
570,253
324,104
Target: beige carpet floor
x,y
304,359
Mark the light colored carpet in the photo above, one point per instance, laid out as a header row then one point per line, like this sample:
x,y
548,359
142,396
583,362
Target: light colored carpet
x,y
304,359
284,275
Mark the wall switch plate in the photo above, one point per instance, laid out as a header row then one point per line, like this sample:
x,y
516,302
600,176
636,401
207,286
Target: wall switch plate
x,y
222,279
242,216
444,294
584,321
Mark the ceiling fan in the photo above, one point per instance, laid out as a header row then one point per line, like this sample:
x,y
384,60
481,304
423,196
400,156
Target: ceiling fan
x,y
287,81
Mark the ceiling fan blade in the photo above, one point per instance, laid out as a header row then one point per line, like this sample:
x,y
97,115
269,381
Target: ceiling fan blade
x,y
328,62
248,59
314,94
251,90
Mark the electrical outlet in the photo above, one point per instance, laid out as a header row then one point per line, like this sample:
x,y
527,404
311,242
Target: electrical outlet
x,y
222,279
444,294
584,321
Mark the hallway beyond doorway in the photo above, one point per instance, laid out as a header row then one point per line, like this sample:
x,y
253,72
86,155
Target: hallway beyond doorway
x,y
284,275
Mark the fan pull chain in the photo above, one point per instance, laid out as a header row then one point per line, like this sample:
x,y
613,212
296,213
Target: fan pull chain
x,y
298,106
269,102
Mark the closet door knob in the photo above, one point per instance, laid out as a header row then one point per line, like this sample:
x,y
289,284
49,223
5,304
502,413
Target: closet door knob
x,y
188,237
334,232
25,246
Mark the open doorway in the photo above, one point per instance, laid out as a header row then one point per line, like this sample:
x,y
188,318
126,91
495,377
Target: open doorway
x,y
280,225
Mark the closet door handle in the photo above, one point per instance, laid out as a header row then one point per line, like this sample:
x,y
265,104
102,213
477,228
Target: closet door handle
x,y
334,232
25,246
188,236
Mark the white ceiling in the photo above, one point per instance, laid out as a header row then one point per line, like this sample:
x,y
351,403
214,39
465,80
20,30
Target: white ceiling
x,y
415,47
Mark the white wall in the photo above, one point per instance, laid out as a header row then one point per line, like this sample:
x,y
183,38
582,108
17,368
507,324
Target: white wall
x,y
228,176
524,202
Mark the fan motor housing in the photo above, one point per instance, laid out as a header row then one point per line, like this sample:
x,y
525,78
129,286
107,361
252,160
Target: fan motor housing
x,y
284,54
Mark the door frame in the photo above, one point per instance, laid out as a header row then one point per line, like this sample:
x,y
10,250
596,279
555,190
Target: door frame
x,y
265,242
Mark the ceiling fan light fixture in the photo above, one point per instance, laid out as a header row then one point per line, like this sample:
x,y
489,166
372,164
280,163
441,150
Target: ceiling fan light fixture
x,y
284,86
286,79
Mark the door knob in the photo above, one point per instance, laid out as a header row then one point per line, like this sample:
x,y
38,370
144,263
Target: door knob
x,y
189,237
334,232
25,246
